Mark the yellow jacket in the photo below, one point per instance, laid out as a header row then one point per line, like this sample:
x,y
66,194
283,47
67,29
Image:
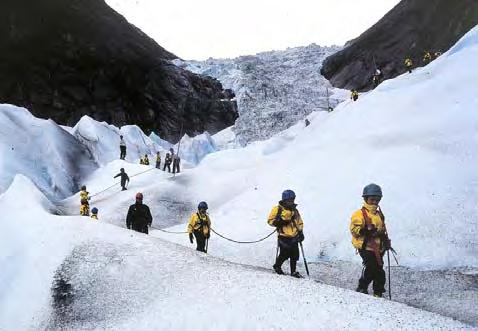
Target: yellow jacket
x,y
358,223
94,216
408,62
198,221
84,210
293,225
84,195
158,158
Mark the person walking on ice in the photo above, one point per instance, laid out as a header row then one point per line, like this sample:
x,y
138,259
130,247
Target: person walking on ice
x,y
122,148
370,238
200,226
94,213
158,160
124,179
84,202
288,222
139,216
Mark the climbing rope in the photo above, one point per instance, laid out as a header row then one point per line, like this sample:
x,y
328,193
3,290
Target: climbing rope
x,y
244,242
173,232
220,235
106,189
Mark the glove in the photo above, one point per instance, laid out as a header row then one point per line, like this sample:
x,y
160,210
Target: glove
x,y
368,231
279,222
387,243
301,236
191,240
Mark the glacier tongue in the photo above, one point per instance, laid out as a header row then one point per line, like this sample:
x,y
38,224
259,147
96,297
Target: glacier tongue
x,y
274,90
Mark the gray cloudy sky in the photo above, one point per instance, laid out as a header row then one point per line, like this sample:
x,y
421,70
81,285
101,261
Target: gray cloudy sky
x,y
198,29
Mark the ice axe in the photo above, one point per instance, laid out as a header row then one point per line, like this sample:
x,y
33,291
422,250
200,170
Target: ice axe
x,y
305,261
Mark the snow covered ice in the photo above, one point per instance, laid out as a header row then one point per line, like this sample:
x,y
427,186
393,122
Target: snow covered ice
x,y
415,135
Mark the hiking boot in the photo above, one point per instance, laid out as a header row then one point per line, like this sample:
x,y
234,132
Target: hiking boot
x,y
278,269
296,275
377,294
361,290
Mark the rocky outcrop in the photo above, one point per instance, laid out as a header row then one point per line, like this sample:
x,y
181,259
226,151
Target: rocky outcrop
x,y
409,29
65,59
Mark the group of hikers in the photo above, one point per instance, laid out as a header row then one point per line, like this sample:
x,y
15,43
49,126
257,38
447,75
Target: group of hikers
x,y
367,228
170,158
377,76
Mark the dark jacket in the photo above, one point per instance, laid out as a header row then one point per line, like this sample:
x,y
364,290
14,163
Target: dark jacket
x,y
124,177
138,216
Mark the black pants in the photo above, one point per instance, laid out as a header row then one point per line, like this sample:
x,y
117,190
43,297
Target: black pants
x,y
175,167
122,152
289,249
123,186
158,165
167,165
140,228
372,272
355,98
200,241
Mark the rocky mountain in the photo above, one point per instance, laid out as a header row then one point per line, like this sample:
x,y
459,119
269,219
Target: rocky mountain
x,y
274,89
65,59
409,29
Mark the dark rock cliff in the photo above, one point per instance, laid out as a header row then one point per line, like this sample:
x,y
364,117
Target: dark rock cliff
x,y
62,59
409,29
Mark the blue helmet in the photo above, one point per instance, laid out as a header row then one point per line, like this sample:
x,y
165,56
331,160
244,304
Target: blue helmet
x,y
288,194
94,210
202,205
372,190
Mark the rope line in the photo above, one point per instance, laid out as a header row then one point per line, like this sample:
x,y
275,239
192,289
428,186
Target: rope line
x,y
106,189
173,232
244,242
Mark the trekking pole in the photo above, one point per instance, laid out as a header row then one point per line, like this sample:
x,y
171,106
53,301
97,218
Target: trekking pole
x,y
305,261
389,279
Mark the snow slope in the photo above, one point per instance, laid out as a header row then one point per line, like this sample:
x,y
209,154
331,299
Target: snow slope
x,y
416,136
273,89
78,274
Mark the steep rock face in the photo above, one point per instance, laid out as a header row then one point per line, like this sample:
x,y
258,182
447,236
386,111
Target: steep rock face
x,y
409,29
65,59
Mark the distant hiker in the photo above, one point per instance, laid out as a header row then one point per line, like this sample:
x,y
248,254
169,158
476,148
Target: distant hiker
x,y
427,57
200,225
139,217
167,162
286,218
94,213
354,95
158,160
307,122
176,162
408,64
377,77
437,54
124,179
145,159
370,238
141,160
122,148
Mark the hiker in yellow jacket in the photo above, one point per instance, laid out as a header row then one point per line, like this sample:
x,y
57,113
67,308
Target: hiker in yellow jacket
x,y
354,95
408,64
84,204
286,218
94,213
370,238
200,226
